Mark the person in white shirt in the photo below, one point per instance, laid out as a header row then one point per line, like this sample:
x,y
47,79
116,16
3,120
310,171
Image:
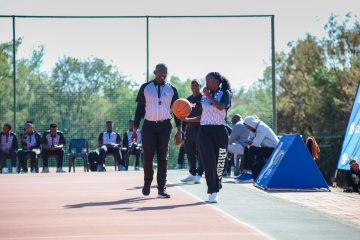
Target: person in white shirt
x,y
131,146
262,141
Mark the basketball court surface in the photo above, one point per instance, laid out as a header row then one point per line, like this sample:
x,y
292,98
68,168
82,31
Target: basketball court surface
x,y
109,205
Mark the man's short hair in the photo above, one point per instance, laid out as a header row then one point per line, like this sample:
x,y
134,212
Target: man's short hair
x,y
53,125
108,121
160,65
8,125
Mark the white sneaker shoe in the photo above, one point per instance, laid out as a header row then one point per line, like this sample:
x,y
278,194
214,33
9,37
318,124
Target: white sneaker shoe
x,y
177,167
5,170
189,178
13,170
45,170
197,179
213,197
33,171
60,170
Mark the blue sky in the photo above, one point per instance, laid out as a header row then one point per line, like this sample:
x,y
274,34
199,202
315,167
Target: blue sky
x,y
238,48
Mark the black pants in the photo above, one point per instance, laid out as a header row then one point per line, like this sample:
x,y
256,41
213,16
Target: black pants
x,y
181,156
24,156
4,156
58,153
113,150
155,139
133,150
255,158
213,142
191,146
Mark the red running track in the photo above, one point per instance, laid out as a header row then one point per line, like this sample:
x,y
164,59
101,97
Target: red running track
x,y
107,206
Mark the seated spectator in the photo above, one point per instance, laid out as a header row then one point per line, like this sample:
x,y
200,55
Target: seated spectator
x,y
133,147
109,143
353,177
8,147
30,142
262,141
53,143
237,138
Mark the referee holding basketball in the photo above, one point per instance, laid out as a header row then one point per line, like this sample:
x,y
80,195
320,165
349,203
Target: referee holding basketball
x,y
154,102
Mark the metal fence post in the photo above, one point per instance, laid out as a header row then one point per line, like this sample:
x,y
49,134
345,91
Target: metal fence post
x,y
14,72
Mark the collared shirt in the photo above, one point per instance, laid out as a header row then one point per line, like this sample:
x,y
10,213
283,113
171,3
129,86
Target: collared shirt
x,y
8,141
51,140
109,138
210,114
155,102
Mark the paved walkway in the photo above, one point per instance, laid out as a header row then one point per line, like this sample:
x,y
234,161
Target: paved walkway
x,y
286,215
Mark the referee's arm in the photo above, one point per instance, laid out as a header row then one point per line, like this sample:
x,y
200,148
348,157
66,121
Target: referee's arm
x,y
140,109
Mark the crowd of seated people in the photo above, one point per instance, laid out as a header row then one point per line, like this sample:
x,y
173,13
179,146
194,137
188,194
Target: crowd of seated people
x,y
52,144
251,142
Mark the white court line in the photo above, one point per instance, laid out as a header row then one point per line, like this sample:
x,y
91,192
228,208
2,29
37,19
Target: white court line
x,y
227,214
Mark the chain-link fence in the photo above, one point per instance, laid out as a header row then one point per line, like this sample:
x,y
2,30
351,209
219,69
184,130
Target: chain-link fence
x,y
54,83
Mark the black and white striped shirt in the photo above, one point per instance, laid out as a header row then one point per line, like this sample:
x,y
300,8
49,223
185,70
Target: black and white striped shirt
x,y
155,102
210,114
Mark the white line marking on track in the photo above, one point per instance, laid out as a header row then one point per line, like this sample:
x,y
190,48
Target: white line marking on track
x,y
227,214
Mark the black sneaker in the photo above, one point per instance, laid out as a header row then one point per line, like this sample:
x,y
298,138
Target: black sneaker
x,y
163,194
146,189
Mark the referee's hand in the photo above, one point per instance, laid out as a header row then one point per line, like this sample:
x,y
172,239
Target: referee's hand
x,y
178,138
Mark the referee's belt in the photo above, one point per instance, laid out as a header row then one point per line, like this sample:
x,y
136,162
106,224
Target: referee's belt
x,y
160,121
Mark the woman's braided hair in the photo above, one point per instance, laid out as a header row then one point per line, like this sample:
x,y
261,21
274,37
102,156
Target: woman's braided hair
x,y
225,84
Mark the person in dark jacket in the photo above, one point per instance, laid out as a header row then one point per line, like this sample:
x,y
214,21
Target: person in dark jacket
x,y
353,177
30,142
8,147
191,129
53,142
109,143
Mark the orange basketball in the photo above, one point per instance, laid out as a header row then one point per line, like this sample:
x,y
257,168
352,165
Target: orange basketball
x,y
182,108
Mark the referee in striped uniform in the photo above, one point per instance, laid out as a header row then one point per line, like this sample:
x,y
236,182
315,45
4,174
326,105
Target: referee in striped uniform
x,y
154,102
